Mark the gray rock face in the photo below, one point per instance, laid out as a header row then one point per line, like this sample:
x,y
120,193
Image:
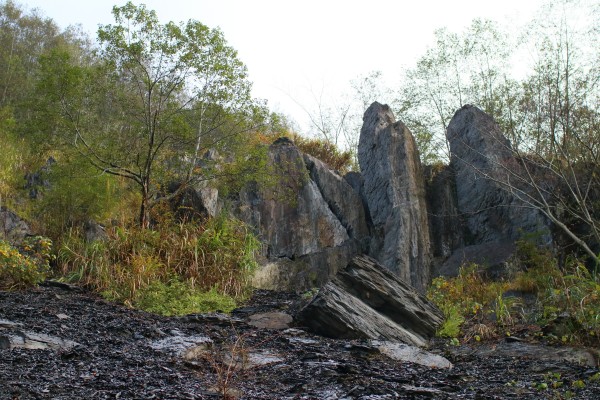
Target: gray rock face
x,y
312,222
340,197
445,221
366,301
495,259
198,201
479,154
12,228
395,195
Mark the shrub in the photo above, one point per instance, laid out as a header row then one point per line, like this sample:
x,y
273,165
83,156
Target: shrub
x,y
465,298
26,266
568,301
76,194
341,161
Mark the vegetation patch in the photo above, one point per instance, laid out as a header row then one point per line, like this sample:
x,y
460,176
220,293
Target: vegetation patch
x,y
172,269
26,265
566,309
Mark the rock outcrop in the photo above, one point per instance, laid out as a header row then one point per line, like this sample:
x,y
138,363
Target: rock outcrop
x,y
311,221
198,201
395,195
445,221
496,260
12,227
480,155
366,301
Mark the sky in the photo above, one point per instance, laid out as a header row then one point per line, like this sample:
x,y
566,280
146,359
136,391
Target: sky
x,y
297,51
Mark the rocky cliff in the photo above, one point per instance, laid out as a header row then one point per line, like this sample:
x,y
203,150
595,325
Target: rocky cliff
x,y
411,219
480,157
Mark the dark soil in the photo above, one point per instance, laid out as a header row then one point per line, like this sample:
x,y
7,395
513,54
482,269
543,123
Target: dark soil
x,y
114,359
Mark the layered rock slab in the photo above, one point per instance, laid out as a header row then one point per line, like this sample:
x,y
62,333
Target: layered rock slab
x,y
366,301
394,190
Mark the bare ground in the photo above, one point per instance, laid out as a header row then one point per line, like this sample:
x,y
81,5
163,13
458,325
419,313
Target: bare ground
x,y
114,359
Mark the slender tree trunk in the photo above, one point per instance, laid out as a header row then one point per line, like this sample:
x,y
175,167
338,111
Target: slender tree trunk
x,y
145,206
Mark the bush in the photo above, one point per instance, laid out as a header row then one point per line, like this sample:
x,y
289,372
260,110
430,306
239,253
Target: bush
x,y
26,266
465,298
341,161
77,192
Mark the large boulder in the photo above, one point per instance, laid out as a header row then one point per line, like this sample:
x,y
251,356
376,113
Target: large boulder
x,y
13,228
198,201
366,301
480,158
395,195
311,221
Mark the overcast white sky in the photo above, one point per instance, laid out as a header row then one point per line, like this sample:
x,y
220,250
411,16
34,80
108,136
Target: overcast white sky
x,y
293,48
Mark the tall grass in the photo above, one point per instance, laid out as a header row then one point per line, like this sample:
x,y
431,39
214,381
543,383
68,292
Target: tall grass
x,y
216,257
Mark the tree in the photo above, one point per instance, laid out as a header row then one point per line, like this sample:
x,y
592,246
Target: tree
x,y
552,119
24,37
551,116
558,129
154,98
467,68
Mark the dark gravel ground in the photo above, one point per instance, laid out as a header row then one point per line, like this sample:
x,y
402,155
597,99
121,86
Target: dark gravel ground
x,y
114,359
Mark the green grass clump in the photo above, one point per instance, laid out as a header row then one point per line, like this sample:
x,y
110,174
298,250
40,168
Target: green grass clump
x,y
180,298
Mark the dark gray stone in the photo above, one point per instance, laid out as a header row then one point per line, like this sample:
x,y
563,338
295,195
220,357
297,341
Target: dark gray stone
x,y
94,231
445,222
366,301
395,194
197,201
480,157
311,221
12,228
341,198
496,260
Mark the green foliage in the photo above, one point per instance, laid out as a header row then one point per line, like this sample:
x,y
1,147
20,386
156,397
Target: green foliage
x,y
467,297
24,266
452,323
13,157
23,37
568,301
217,256
76,194
247,162
179,298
